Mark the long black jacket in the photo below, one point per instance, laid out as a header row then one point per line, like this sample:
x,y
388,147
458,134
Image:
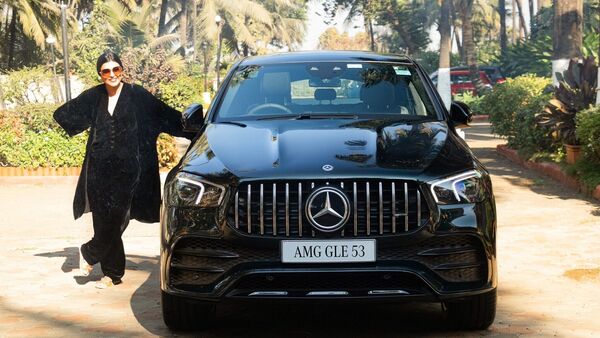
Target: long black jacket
x,y
148,115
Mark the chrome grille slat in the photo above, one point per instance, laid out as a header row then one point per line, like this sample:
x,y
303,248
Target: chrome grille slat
x,y
394,207
237,210
249,204
287,209
380,208
300,209
253,208
262,211
274,216
368,215
418,208
405,206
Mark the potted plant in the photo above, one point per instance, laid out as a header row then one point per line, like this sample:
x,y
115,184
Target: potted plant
x,y
575,92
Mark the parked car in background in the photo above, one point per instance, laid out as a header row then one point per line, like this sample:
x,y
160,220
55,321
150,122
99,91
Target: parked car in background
x,y
328,176
494,73
460,81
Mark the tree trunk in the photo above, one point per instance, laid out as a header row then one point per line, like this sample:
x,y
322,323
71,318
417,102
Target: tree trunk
x,y
531,16
568,34
183,27
164,7
469,46
12,40
371,33
443,82
522,19
194,36
459,45
515,27
503,37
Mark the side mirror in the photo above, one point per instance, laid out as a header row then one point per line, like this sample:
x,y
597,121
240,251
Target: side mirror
x,y
460,114
193,118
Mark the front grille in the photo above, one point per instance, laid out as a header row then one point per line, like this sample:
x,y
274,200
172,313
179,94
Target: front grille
x,y
198,263
377,207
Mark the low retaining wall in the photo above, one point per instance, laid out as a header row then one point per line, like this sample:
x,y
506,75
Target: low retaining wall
x,y
552,170
16,171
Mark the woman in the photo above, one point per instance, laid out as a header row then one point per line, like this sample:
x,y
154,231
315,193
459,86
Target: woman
x,y
119,180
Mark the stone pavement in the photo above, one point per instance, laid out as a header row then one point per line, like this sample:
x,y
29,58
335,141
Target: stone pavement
x,y
548,259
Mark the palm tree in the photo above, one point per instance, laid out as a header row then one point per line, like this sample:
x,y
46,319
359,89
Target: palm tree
x,y
568,34
34,19
134,27
466,13
503,37
443,83
248,22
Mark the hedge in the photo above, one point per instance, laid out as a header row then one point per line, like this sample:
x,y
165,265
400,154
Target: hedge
x,y
30,138
512,107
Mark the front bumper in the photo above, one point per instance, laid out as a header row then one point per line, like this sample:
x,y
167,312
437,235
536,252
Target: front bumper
x,y
432,267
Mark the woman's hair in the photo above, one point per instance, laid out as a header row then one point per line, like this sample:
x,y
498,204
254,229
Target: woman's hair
x,y
107,56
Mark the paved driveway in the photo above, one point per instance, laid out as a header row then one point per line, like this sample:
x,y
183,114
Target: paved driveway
x,y
548,257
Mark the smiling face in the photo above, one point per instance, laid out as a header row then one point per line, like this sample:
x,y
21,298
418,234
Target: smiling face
x,y
111,73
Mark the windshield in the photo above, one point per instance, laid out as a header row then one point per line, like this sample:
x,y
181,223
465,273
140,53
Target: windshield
x,y
326,90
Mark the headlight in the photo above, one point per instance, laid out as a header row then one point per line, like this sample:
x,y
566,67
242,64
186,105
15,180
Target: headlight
x,y
191,190
467,187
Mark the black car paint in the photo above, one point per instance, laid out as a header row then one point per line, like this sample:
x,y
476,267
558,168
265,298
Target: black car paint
x,y
229,154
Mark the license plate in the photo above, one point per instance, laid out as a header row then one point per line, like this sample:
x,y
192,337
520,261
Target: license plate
x,y
328,251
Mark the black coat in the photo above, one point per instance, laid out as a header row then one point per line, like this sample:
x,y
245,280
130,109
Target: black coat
x,y
152,117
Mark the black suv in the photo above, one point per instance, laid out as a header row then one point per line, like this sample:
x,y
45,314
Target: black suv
x,y
328,175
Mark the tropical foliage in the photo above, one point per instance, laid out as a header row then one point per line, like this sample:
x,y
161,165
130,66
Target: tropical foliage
x,y
576,92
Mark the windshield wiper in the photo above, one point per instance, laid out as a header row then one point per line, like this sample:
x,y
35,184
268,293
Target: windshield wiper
x,y
309,117
232,122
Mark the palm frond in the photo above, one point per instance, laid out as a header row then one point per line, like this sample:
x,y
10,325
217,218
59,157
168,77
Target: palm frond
x,y
163,41
176,62
30,23
247,8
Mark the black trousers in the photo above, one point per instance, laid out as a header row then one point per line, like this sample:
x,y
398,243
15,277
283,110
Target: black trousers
x,y
111,184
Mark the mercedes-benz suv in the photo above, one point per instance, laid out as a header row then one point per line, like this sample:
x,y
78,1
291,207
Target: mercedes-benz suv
x,y
328,176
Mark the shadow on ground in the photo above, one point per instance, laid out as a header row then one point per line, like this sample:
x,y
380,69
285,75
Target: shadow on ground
x,y
523,177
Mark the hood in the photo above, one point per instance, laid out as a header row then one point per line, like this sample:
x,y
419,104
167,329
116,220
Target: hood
x,y
335,148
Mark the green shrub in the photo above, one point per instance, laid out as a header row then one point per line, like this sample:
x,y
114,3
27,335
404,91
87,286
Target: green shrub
x,y
51,148
30,138
28,85
512,107
474,102
588,132
181,92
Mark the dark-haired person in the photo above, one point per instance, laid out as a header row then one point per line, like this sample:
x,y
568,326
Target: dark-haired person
x,y
119,180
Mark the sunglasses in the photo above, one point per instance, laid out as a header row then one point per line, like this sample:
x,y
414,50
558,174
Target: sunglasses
x,y
105,73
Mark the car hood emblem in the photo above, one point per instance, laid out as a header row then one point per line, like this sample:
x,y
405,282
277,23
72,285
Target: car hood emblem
x,y
327,209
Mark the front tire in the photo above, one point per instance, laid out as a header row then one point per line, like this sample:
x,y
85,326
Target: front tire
x,y
472,313
186,314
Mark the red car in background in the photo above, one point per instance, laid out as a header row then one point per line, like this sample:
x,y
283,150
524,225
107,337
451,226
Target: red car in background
x,y
460,81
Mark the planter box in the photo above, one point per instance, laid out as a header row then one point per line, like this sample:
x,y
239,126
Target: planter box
x,y
60,171
552,170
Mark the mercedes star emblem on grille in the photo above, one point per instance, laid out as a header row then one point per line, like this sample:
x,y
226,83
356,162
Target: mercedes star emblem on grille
x,y
327,209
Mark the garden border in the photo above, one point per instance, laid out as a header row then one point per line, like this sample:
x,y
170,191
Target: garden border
x,y
552,170
45,171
